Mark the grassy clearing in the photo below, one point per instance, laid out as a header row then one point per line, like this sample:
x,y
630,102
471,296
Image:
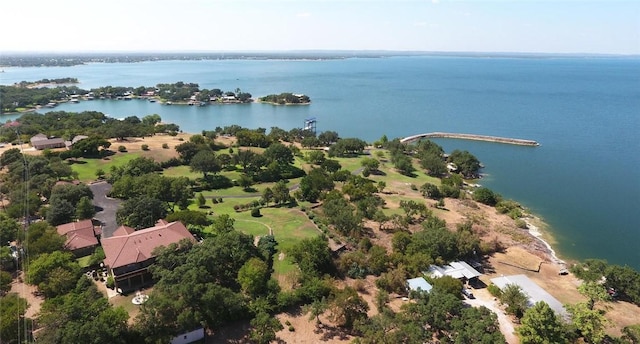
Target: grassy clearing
x,y
83,261
86,168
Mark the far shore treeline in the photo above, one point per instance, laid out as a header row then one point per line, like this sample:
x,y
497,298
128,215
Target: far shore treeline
x,y
25,95
336,231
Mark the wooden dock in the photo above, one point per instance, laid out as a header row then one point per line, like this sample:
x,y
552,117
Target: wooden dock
x,y
473,137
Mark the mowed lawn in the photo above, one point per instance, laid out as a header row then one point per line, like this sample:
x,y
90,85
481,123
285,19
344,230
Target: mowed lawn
x,y
86,168
289,226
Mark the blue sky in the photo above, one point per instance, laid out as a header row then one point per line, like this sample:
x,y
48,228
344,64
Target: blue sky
x,y
562,26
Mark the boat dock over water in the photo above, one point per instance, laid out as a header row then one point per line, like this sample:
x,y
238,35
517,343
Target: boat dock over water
x,y
474,137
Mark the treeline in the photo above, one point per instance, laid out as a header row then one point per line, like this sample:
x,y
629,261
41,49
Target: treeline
x,y
13,98
48,81
90,123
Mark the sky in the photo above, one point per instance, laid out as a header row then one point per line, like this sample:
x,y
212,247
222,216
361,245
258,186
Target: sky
x,y
545,26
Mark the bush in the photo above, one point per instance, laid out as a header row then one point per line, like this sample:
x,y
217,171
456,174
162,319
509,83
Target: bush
x,y
494,290
165,146
288,323
145,147
122,149
255,212
520,223
111,283
291,329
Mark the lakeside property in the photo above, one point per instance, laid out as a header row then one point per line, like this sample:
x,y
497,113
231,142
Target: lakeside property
x,y
533,259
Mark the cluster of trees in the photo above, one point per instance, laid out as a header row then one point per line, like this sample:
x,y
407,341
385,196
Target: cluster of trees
x,y
286,98
624,281
13,98
25,83
96,125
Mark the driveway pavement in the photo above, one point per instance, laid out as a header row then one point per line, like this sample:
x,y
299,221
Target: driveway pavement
x,y
108,206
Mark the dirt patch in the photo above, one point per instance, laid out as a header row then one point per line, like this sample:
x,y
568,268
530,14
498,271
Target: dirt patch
x,y
29,293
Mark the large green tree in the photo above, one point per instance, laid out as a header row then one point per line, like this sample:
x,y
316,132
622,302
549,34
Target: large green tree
x,y
540,325
141,212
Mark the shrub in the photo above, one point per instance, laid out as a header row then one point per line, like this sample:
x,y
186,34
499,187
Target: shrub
x,y
255,212
494,290
165,146
291,329
288,323
122,149
111,283
145,147
520,223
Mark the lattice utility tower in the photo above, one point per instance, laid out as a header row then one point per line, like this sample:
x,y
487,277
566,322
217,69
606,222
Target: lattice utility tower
x,y
310,124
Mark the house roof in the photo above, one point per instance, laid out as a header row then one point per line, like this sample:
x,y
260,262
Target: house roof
x,y
79,234
123,230
533,291
454,269
74,226
137,246
419,283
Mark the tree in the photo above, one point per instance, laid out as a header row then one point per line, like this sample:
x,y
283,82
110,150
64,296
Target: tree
x,y
60,211
141,212
85,209
476,325
448,285
264,328
253,277
222,224
279,153
540,325
12,321
281,193
515,299
347,307
313,257
201,200
466,162
8,229
205,161
590,323
369,165
486,196
5,282
189,217
42,238
54,273
594,292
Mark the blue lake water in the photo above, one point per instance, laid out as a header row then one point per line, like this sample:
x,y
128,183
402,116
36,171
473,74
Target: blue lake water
x,y
583,180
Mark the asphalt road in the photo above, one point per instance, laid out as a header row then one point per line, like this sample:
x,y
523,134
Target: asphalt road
x,y
108,206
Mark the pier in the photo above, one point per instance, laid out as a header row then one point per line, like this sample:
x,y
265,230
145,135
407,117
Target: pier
x,y
473,137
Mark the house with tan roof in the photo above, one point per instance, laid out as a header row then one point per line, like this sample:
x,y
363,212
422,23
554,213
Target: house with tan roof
x,y
82,236
129,253
41,141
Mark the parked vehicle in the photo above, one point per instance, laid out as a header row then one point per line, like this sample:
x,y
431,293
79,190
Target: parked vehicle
x,y
466,292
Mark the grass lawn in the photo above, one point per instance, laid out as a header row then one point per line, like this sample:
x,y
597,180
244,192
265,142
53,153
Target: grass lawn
x,y
86,168
83,261
289,226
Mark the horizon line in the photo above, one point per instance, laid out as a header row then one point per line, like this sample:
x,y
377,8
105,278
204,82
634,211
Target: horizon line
x,y
317,51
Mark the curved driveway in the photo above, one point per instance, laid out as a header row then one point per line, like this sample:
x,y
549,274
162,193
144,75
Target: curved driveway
x,y
108,205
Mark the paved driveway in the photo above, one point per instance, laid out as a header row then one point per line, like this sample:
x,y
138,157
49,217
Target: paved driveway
x,y
108,205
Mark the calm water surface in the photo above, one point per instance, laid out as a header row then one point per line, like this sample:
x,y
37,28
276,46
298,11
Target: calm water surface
x,y
583,180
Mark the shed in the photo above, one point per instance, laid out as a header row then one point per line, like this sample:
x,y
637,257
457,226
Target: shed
x,y
533,291
419,284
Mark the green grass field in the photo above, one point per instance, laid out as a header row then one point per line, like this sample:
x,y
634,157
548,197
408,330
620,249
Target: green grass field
x,y
86,168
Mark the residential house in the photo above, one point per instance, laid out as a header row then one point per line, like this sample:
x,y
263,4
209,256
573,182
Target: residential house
x,y
129,253
41,141
82,236
459,270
